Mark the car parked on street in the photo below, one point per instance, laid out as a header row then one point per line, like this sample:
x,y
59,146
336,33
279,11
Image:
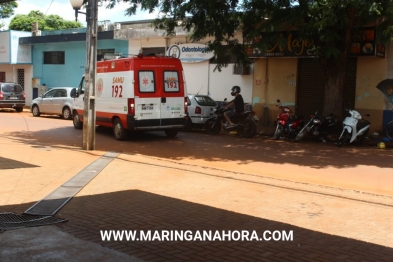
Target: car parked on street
x,y
57,101
12,96
200,108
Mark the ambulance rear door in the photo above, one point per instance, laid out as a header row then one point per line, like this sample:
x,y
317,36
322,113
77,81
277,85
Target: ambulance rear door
x,y
147,99
172,97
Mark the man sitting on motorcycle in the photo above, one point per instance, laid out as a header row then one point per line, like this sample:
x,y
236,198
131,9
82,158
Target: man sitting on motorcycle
x,y
239,105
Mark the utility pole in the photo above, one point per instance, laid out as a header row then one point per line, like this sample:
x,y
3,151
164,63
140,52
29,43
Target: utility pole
x,y
89,114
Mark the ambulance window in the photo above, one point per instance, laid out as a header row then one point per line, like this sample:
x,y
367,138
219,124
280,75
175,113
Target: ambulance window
x,y
146,82
171,81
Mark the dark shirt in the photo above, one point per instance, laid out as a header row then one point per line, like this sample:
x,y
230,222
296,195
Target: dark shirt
x,y
239,104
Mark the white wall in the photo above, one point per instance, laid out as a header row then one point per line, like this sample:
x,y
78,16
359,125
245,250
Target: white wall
x,y
196,75
220,83
134,46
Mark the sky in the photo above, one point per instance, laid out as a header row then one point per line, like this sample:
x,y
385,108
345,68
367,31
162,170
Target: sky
x,y
64,9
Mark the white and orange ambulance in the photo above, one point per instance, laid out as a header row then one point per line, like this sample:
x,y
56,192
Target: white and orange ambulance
x,y
138,93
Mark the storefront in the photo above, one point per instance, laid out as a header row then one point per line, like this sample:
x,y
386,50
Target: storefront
x,y
16,61
291,73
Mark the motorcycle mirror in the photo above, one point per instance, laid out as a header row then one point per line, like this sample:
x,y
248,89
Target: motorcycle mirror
x,y
278,101
225,99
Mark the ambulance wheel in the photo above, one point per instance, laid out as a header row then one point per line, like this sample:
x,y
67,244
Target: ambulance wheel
x,y
118,130
171,132
76,121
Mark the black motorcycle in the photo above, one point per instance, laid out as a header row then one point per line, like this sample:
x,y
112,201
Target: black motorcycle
x,y
245,124
318,126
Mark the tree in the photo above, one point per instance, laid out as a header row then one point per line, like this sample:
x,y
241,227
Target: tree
x,y
45,22
331,24
7,10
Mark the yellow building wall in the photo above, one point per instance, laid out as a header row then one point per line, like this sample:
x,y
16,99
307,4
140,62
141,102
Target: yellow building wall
x,y
274,78
369,99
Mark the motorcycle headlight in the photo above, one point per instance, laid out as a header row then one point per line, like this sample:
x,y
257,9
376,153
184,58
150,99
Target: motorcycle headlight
x,y
316,121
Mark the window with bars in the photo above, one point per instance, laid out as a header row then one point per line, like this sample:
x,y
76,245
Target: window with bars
x,y
21,77
2,76
54,57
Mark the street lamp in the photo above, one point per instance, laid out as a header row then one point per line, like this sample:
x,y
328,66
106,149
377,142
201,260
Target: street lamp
x,y
89,113
77,4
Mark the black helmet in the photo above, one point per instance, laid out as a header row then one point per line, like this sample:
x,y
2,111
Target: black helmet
x,y
235,89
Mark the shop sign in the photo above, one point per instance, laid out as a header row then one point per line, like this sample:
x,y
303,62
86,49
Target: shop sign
x,y
293,47
364,45
190,53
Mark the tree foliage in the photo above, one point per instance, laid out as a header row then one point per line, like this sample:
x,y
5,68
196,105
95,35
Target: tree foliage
x,y
331,24
45,22
7,10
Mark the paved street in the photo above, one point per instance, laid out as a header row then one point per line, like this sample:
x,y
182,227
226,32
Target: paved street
x,y
338,202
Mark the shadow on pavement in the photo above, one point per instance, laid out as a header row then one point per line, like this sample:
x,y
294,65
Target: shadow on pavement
x,y
7,163
138,210
222,148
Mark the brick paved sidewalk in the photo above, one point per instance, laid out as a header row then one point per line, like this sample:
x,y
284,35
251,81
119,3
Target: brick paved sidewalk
x,y
144,193
140,193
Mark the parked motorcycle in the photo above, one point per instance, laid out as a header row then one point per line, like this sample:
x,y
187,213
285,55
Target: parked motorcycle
x,y
287,125
318,126
245,124
355,128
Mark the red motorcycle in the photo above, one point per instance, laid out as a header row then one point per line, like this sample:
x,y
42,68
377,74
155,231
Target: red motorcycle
x,y
287,125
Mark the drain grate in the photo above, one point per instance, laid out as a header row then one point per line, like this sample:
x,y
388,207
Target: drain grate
x,y
10,221
52,203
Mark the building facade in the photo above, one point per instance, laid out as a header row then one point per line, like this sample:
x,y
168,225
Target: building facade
x,y
15,60
290,74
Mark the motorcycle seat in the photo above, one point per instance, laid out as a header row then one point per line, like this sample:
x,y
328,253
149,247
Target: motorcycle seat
x,y
362,124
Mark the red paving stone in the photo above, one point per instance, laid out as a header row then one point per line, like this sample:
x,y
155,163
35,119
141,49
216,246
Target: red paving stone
x,y
133,194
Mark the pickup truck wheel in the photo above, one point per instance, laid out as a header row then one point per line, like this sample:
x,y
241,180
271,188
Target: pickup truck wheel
x,y
118,130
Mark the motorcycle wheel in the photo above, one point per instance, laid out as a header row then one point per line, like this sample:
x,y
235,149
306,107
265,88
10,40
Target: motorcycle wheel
x,y
362,140
212,127
249,129
343,139
301,134
389,130
278,132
